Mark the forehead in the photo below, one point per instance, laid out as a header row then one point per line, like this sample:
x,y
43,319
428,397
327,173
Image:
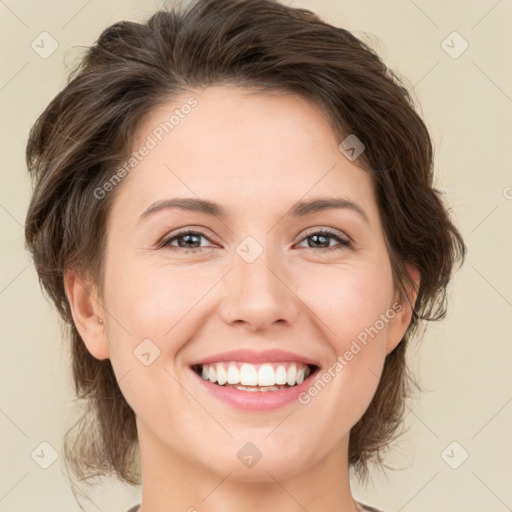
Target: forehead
x,y
241,147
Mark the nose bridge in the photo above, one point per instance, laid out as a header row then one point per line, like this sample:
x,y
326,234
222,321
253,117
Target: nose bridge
x,y
256,272
255,291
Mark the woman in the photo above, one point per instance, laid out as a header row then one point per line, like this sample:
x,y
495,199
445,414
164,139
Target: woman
x,y
234,213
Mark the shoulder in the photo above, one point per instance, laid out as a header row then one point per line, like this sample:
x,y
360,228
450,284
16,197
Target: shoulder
x,y
366,508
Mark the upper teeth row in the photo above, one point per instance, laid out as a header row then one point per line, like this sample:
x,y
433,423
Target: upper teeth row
x,y
255,375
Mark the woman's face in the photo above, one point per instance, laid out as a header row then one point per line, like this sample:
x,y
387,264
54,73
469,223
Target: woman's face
x,y
260,278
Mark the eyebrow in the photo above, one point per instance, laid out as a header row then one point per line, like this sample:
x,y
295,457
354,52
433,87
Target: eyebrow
x,y
299,209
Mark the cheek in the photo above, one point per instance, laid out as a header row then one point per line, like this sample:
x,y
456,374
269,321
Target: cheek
x,y
151,317
348,301
160,303
354,310
154,298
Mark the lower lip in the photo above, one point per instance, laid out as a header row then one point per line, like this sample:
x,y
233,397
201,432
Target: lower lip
x,y
256,400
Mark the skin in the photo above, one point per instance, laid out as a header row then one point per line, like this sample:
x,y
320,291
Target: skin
x,y
256,155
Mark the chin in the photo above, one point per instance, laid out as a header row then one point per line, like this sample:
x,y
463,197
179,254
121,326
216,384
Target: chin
x,y
251,462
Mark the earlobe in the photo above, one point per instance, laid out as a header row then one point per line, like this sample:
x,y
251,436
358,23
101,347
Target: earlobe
x,y
87,313
403,307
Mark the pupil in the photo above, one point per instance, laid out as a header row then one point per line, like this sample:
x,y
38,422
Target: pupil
x,y
186,240
315,238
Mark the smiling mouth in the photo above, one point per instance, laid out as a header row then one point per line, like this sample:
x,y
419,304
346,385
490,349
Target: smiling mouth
x,y
255,377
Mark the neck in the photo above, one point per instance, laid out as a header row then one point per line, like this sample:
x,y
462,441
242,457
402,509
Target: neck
x,y
171,483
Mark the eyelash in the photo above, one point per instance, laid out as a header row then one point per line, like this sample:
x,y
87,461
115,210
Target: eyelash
x,y
343,243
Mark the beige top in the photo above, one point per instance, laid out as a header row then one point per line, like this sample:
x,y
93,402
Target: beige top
x,y
364,508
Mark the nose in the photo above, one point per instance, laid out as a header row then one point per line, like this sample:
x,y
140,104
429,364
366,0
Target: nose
x,y
259,294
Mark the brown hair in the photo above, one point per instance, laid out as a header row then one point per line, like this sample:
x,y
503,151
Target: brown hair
x,y
86,132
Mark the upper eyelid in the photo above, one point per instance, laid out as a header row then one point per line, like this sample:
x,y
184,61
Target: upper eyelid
x,y
332,232
327,230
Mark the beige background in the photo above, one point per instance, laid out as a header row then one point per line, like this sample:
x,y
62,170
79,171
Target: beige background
x,y
463,361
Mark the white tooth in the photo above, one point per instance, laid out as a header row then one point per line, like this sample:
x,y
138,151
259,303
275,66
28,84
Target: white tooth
x,y
222,375
266,375
270,388
243,388
233,374
248,375
281,376
292,373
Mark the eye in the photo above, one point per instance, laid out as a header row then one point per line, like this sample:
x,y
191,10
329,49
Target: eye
x,y
189,241
321,240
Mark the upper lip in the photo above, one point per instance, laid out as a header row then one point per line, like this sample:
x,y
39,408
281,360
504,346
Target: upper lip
x,y
252,356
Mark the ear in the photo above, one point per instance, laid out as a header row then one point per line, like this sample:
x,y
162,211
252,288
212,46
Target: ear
x,y
87,312
403,308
